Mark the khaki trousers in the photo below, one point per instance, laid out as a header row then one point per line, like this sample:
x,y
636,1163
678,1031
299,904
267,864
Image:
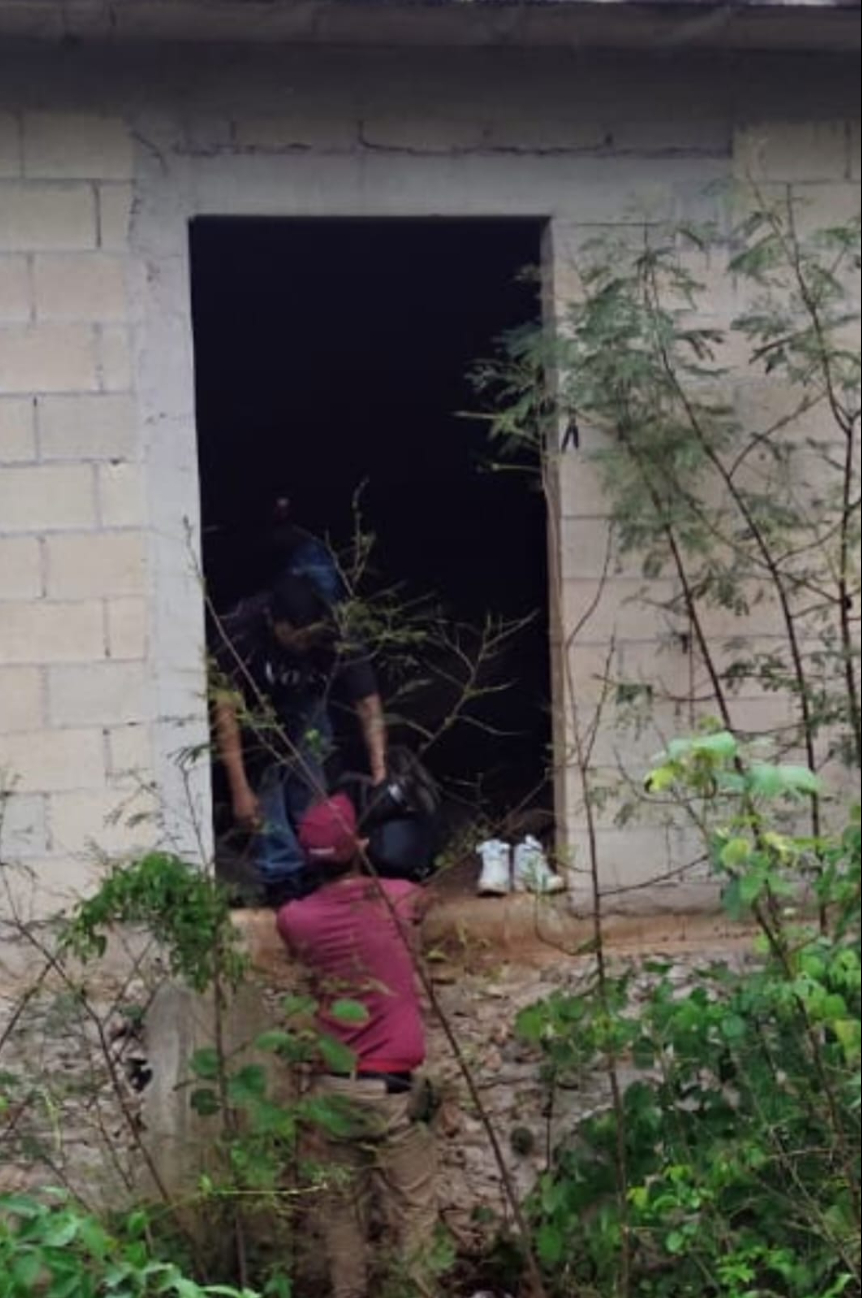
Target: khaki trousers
x,y
387,1151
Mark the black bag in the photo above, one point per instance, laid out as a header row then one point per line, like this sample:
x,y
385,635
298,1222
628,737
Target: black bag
x,y
400,817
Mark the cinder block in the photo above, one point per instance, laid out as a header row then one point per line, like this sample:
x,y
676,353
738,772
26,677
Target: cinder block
x,y
581,492
130,751
79,286
77,145
21,704
629,743
16,301
111,822
854,151
589,549
630,859
623,608
115,215
35,217
48,760
770,717
100,564
719,297
115,359
819,207
763,618
791,151
729,653
588,670
47,358
121,495
17,430
50,884
20,568
127,628
663,664
608,792
46,497
762,405
10,145
87,427
103,693
42,632
25,825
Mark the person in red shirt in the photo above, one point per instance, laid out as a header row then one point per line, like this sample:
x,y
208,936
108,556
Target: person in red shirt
x,y
355,935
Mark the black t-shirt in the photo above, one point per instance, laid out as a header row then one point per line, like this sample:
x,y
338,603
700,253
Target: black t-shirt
x,y
281,690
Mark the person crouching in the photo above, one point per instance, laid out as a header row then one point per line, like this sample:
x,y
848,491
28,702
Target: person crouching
x,y
356,935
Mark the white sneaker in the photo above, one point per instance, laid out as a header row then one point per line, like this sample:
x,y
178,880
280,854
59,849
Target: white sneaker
x,y
496,877
531,872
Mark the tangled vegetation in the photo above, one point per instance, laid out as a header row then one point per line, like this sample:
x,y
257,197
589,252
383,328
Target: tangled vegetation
x,y
726,1161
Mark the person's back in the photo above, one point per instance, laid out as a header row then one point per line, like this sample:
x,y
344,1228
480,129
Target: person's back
x,y
354,937
357,946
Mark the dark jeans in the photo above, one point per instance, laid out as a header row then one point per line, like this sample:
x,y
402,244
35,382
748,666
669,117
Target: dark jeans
x,y
285,792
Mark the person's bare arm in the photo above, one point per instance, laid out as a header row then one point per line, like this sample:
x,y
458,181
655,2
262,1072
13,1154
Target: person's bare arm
x,y
370,713
246,808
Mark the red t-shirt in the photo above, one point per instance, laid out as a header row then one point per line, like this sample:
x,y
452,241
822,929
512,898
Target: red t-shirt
x,y
347,937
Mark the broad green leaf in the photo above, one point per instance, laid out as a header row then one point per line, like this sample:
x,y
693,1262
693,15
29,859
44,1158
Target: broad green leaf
x,y
661,778
204,1063
848,1033
62,1230
248,1083
276,1039
349,1011
735,852
800,778
19,1205
26,1268
733,1027
723,744
298,1006
751,886
337,1057
549,1242
204,1101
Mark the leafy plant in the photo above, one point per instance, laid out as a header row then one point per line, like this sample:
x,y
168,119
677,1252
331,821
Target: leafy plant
x,y
737,485
184,909
51,1247
740,1132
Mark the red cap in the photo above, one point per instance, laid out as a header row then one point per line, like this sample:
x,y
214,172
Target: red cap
x,y
327,831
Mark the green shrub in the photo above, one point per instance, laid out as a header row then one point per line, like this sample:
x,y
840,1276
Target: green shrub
x,y
730,1167
52,1248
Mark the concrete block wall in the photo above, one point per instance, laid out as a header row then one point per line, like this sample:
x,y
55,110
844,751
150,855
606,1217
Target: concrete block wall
x,y
818,162
104,159
75,696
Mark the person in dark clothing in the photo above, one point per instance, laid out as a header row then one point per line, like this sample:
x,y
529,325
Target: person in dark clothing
x,y
280,666
295,551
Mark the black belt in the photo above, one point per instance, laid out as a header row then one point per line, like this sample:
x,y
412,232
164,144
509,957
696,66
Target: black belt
x,y
396,1083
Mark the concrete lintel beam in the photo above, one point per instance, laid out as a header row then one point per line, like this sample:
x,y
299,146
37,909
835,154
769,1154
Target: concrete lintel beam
x,y
582,24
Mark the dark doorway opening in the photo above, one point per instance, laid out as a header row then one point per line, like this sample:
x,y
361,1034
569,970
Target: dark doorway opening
x,y
331,353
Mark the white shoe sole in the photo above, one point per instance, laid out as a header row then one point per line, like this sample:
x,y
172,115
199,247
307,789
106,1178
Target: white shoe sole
x,y
553,885
493,890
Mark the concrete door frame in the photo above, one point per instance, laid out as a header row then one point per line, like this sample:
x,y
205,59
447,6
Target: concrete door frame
x,y
172,188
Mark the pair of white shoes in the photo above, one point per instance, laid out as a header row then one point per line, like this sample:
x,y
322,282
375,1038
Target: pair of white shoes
x,y
522,869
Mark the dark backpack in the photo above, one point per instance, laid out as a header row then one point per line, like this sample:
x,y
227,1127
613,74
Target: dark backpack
x,y
400,818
